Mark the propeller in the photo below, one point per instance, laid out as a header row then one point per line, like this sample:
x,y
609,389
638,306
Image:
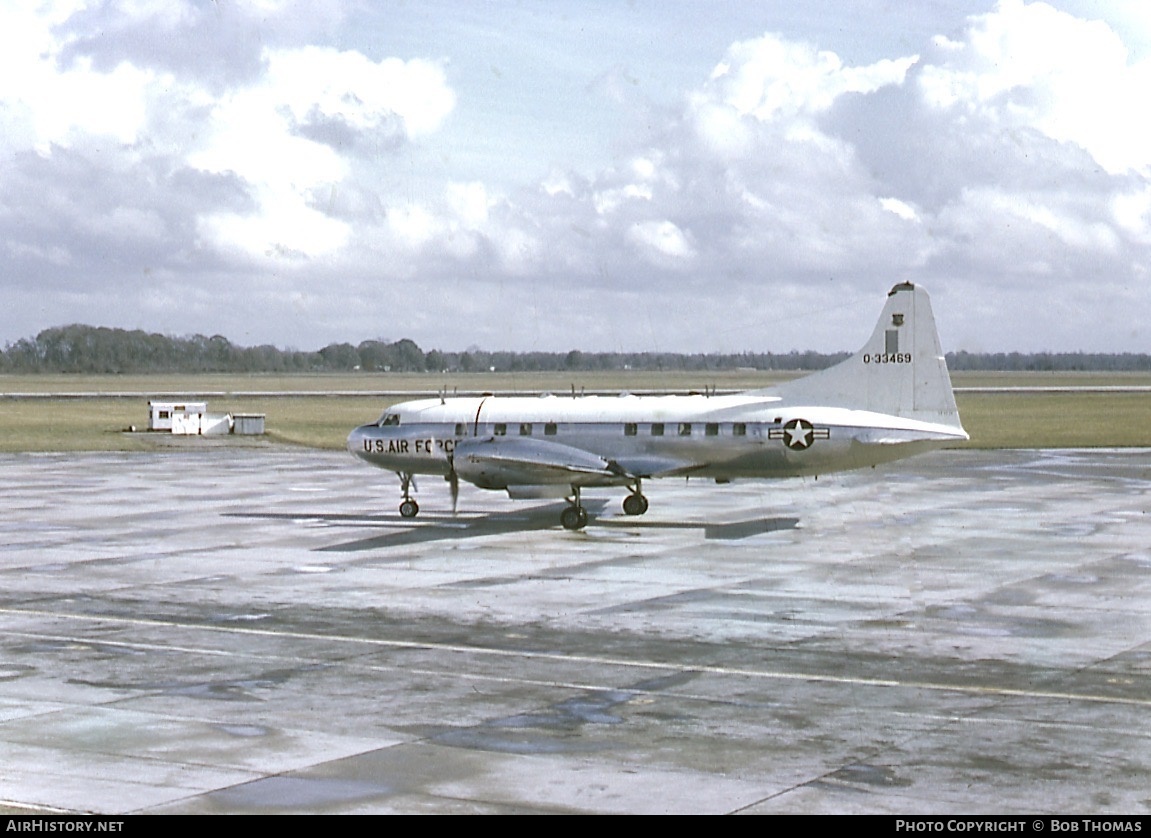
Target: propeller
x,y
454,482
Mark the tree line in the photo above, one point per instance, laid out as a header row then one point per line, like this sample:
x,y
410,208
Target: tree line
x,y
96,349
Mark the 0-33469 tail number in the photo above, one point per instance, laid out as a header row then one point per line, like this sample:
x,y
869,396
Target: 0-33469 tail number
x,y
884,358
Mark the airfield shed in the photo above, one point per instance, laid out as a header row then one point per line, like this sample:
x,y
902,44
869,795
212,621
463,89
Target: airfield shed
x,y
171,416
186,418
248,424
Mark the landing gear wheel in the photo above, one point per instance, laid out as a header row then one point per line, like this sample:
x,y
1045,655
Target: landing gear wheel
x,y
408,507
574,518
635,505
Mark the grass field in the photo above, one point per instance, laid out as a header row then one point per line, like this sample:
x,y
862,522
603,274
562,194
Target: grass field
x,y
994,420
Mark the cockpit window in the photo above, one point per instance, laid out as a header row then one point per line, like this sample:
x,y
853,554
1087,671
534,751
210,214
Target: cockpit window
x,y
389,419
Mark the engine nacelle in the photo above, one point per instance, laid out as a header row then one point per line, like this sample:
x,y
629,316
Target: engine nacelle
x,y
499,462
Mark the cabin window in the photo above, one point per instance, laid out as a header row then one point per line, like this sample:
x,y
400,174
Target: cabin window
x,y
525,428
164,414
685,428
390,419
630,429
501,429
460,429
739,429
550,429
657,429
711,429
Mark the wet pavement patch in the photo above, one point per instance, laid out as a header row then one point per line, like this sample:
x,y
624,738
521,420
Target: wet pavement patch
x,y
557,728
860,778
862,774
296,794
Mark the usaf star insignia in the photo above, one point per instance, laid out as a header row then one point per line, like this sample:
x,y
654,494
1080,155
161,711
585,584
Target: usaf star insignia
x,y
798,434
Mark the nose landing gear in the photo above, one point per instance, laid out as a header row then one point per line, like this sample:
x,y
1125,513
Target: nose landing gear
x,y
408,506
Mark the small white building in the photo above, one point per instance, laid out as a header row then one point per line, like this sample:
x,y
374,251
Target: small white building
x,y
175,416
214,424
193,419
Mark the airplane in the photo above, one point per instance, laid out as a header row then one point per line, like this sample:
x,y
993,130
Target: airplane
x,y
889,400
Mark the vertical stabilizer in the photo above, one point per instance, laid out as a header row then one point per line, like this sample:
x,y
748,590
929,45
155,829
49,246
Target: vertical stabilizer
x,y
899,371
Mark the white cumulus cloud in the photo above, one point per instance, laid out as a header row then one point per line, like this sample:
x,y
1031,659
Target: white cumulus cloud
x,y
259,132
1031,65
770,77
662,241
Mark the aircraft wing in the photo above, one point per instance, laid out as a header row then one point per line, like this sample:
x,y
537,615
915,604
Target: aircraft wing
x,y
650,465
498,462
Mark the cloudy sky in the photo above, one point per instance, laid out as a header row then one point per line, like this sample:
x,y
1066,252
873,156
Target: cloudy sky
x,y
597,174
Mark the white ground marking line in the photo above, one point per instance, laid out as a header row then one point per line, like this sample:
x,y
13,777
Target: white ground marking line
x,y
554,656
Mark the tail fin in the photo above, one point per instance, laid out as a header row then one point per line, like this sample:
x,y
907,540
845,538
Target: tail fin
x,y
899,371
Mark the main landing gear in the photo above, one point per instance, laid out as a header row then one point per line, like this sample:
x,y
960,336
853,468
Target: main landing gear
x,y
574,517
635,503
408,506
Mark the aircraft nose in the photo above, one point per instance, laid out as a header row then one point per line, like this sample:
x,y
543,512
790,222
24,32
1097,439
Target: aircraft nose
x,y
356,439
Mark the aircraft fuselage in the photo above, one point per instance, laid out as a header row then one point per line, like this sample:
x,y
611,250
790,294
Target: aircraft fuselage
x,y
721,437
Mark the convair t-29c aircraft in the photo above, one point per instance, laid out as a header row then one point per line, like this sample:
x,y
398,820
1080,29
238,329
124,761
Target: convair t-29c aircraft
x,y
890,400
